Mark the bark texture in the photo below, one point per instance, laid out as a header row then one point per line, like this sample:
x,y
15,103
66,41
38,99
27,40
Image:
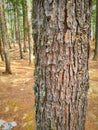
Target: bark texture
x,y
61,36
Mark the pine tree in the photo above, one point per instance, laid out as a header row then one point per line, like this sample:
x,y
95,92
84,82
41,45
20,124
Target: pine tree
x,y
61,37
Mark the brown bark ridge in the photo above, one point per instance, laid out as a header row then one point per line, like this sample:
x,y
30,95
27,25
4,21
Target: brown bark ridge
x,y
4,38
61,37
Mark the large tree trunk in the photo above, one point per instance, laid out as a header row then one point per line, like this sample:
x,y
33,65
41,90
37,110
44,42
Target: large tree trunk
x,y
30,38
61,63
4,38
96,37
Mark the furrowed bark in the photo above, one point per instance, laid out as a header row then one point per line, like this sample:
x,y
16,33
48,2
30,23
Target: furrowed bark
x,y
61,35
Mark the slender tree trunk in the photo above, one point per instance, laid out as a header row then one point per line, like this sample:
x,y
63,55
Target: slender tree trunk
x,y
8,28
24,23
7,16
1,51
18,30
11,20
4,38
15,21
96,36
61,63
30,38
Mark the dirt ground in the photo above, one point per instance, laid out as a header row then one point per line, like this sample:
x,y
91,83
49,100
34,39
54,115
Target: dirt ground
x,y
92,109
16,93
17,98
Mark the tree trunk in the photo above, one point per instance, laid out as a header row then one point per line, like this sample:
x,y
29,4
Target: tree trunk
x,y
24,23
61,37
30,38
15,21
4,38
11,20
96,36
18,30
1,51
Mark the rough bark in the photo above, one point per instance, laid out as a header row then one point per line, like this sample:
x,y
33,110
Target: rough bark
x,y
4,38
61,37
96,36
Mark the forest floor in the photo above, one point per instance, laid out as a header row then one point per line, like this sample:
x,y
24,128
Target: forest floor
x,y
17,97
16,92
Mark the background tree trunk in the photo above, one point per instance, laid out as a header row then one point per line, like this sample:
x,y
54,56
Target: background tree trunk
x,y
15,20
30,38
61,67
4,38
1,51
24,23
96,36
18,29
